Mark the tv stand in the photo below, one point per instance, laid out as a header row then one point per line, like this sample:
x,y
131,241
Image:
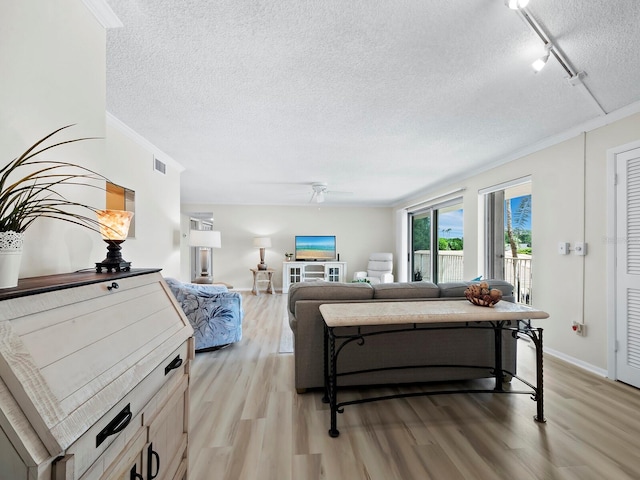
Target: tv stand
x,y
296,272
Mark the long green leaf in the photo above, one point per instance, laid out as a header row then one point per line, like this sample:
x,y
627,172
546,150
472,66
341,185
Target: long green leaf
x,y
34,195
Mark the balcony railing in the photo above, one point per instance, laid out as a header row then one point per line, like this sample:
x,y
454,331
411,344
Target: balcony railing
x,y
517,271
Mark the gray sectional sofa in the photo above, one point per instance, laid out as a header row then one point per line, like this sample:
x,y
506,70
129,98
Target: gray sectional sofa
x,y
442,347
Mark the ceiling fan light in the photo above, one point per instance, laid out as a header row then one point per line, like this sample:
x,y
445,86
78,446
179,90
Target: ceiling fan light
x,y
320,197
516,4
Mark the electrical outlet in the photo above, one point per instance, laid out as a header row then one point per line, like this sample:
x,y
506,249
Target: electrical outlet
x,y
579,328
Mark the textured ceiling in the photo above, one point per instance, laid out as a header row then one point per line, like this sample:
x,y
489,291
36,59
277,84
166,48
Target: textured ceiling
x,y
257,99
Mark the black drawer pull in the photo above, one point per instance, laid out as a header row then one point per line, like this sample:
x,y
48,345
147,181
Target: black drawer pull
x,y
151,454
116,425
175,363
113,286
134,475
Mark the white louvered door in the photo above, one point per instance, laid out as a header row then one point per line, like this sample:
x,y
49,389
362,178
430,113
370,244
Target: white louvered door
x,y
628,267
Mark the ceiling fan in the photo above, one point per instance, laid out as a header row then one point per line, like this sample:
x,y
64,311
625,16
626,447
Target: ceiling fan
x,y
320,189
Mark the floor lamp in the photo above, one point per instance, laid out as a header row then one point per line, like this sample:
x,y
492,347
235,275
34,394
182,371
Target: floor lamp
x,y
205,240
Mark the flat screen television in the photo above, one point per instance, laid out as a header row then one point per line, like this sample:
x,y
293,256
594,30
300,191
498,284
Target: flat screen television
x,y
315,248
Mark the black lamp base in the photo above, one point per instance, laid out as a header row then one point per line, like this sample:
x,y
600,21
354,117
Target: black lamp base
x,y
114,261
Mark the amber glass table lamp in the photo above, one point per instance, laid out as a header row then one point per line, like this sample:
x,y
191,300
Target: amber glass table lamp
x,y
114,227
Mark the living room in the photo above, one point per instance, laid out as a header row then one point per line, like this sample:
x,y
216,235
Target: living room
x,y
57,77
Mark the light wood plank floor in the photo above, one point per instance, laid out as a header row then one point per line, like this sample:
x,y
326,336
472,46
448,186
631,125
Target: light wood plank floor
x,y
247,422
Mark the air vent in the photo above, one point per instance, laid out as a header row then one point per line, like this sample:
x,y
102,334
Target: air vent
x,y
159,166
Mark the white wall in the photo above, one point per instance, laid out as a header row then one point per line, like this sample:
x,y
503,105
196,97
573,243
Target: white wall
x,y
53,58
568,204
157,215
53,75
358,231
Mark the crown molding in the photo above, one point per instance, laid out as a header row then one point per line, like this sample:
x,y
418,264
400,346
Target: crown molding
x,y
585,127
103,13
115,122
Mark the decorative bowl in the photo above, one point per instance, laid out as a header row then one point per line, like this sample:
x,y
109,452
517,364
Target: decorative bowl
x,y
481,301
482,295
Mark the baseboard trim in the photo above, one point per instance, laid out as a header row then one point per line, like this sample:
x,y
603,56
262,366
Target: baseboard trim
x,y
601,372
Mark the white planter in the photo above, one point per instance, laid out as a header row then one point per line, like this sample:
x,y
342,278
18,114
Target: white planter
x,y
10,256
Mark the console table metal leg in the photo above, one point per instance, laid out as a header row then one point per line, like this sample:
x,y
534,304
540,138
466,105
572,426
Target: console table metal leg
x,y
497,332
333,393
325,398
539,395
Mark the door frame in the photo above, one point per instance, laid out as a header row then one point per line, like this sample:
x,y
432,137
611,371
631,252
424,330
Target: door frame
x,y
612,244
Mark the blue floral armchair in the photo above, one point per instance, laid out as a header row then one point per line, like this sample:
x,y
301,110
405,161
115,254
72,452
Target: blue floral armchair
x,y
214,313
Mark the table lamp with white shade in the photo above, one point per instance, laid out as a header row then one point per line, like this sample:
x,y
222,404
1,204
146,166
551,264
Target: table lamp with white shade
x,y
205,240
262,243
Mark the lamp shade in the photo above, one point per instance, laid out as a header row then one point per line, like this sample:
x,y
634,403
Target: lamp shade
x,y
205,238
114,224
262,242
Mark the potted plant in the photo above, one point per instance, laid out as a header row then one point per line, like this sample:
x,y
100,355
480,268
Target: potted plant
x,y
28,191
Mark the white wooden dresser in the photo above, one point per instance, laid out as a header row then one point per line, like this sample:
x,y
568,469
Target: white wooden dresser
x,y
94,378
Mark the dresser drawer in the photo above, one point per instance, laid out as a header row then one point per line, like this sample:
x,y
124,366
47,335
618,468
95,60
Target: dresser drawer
x,y
95,459
130,456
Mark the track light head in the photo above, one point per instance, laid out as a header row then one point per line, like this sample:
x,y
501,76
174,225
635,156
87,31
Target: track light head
x,y
516,4
542,61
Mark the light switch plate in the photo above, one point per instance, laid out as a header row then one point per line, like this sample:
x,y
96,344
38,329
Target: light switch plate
x,y
563,248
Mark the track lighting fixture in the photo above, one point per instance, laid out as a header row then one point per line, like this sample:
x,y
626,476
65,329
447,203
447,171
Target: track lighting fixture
x,y
574,77
516,4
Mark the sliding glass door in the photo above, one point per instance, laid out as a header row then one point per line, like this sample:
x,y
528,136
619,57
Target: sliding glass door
x,y
421,246
436,238
508,246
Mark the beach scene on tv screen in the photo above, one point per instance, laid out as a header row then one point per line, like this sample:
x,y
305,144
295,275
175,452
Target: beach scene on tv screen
x,y
315,248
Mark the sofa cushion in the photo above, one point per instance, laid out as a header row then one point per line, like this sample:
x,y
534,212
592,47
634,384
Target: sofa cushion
x,y
456,289
406,290
321,290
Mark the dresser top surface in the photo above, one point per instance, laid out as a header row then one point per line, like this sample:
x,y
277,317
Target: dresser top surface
x,y
49,283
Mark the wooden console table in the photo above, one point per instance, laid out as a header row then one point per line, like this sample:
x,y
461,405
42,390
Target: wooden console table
x,y
256,279
422,317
